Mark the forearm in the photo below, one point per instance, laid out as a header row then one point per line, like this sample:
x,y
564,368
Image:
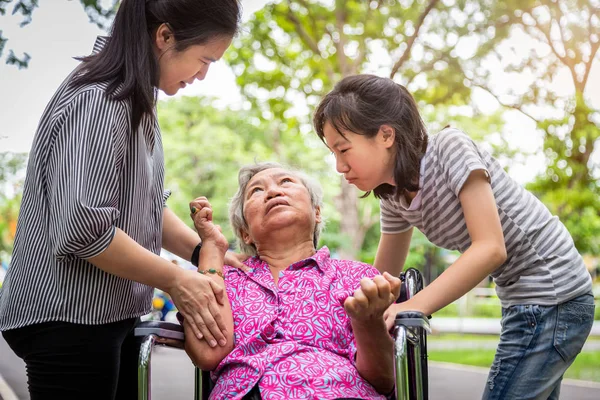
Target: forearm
x,y
202,354
375,354
472,267
392,252
211,256
177,237
125,258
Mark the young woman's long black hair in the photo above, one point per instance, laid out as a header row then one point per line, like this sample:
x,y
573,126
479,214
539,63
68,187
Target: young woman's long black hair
x,y
127,61
362,104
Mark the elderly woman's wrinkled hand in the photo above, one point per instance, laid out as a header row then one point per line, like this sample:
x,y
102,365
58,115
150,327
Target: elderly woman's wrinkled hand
x,y
202,215
372,298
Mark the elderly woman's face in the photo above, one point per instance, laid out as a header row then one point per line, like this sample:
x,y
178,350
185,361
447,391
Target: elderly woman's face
x,y
276,199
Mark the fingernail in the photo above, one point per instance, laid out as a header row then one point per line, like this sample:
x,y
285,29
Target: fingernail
x,y
222,342
212,343
200,336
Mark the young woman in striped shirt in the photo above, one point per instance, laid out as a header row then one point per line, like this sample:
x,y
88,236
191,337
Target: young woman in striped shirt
x,y
461,199
93,221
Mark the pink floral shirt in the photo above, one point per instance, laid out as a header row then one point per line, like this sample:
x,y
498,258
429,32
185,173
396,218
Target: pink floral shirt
x,y
295,340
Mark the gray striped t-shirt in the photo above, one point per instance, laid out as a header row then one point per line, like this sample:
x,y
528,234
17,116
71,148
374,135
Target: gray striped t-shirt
x,y
542,266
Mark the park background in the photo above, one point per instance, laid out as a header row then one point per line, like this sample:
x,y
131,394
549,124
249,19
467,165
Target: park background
x,y
521,77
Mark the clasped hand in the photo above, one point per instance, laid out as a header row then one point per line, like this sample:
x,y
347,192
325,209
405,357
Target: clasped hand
x,y
372,299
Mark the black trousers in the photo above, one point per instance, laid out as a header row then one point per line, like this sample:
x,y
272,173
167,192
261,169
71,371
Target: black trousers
x,y
73,361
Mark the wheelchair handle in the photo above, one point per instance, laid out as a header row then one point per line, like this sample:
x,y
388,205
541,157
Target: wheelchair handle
x,y
413,319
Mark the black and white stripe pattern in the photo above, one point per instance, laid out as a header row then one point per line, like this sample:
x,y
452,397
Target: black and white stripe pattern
x,y
543,266
87,175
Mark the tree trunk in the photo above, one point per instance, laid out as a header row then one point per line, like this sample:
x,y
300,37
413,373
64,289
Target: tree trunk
x,y
347,203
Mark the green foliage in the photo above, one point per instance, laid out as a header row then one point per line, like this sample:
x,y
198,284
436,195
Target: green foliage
x,y
99,11
293,52
565,36
12,166
205,148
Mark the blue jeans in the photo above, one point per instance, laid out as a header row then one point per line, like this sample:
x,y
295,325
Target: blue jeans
x,y
537,345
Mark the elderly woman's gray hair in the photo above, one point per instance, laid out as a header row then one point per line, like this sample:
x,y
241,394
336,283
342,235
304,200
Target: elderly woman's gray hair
x,y
236,208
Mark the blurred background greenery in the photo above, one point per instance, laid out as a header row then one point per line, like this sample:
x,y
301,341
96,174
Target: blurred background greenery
x,y
535,61
448,53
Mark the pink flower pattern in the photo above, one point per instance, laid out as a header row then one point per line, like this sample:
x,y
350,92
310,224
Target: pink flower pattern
x,y
295,340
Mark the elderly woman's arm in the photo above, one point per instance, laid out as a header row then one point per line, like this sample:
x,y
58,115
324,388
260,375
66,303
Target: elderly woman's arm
x,y
205,356
204,352
375,354
374,346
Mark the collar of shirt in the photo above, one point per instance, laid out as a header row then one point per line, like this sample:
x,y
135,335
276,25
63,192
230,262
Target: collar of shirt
x,y
99,44
321,258
261,273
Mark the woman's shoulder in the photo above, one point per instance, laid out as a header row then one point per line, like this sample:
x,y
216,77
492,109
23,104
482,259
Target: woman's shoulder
x,y
87,100
97,92
447,134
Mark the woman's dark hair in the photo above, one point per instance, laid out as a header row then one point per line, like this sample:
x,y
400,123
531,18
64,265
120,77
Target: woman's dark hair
x,y
128,57
362,104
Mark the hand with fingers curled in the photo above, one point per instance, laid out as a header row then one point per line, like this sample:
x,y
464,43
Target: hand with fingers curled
x,y
372,299
209,232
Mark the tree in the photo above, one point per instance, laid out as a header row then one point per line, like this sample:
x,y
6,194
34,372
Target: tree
x,y
565,38
295,51
96,10
12,167
205,148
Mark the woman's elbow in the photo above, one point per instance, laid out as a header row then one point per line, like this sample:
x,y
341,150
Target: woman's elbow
x,y
206,358
384,384
497,254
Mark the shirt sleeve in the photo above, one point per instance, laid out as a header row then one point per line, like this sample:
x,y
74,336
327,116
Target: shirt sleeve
x,y
166,195
83,175
391,221
458,157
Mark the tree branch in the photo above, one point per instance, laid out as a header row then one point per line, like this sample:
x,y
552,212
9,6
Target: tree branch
x,y
503,104
308,41
593,51
340,21
413,37
545,30
362,43
310,16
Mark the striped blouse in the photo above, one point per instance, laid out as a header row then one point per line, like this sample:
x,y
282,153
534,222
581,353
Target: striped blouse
x,y
87,175
542,266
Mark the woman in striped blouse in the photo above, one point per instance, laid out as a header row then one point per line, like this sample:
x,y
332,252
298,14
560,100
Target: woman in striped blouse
x,y
93,220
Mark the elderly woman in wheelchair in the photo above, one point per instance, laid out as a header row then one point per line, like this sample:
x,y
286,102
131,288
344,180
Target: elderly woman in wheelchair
x,y
299,324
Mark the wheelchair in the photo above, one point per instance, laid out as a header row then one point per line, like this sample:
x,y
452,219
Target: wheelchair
x,y
410,349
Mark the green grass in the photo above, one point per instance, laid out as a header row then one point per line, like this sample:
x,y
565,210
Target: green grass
x,y
478,358
490,309
585,366
454,337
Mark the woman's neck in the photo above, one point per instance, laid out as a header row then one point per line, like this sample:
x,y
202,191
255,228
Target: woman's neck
x,y
282,254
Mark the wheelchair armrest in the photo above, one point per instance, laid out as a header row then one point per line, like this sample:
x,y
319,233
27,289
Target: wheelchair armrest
x,y
160,328
413,319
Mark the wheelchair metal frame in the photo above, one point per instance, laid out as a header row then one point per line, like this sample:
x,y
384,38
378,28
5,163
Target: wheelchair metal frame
x,y
410,349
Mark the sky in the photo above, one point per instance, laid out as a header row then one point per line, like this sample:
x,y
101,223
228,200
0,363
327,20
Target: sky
x,y
61,31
